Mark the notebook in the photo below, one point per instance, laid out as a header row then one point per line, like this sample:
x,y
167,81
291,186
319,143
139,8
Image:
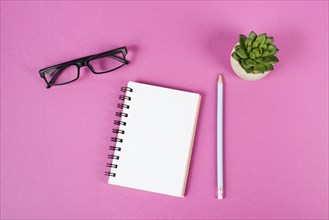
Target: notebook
x,y
153,146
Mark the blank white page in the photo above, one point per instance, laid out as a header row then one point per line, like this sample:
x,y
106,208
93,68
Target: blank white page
x,y
157,143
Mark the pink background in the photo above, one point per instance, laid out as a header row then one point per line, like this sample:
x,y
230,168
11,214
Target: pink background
x,y
54,142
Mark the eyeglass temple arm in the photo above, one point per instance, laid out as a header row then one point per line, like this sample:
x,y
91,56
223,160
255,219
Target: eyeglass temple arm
x,y
119,59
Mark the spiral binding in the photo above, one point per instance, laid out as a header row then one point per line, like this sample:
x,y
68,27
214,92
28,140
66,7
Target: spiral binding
x,y
122,106
118,131
117,122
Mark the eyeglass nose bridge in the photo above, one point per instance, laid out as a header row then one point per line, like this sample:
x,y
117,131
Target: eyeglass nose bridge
x,y
82,63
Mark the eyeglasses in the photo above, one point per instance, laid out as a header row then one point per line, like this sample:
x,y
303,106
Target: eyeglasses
x,y
68,72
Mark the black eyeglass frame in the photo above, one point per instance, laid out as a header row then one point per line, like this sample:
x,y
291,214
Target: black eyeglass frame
x,y
84,61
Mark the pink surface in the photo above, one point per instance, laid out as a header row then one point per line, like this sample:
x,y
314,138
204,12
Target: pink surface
x,y
54,142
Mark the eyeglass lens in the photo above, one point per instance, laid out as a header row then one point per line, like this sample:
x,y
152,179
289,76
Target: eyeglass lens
x,y
105,64
62,75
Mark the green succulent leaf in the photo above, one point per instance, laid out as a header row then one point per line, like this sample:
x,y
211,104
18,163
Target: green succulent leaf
x,y
252,36
269,67
248,49
272,49
244,64
263,46
274,60
248,70
241,53
270,60
259,68
258,60
261,50
237,47
269,40
242,40
277,51
235,56
255,44
252,55
250,62
256,52
261,38
248,42
265,54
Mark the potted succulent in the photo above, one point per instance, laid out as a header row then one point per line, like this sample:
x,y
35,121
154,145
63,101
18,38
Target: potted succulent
x,y
254,56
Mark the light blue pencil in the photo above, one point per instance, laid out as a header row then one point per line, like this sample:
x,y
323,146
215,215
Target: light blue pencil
x,y
220,138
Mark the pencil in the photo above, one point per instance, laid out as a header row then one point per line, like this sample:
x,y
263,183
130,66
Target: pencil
x,y
220,188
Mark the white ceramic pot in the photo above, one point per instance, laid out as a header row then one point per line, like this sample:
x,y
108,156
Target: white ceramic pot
x,y
237,68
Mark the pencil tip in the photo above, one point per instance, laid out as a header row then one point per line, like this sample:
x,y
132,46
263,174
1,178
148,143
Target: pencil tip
x,y
220,80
